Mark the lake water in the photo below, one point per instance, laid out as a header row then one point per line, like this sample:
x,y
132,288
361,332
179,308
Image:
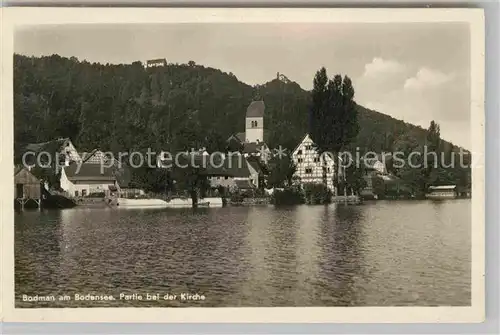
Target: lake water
x,y
381,253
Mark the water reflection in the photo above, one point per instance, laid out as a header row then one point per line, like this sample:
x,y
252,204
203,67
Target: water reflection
x,y
378,254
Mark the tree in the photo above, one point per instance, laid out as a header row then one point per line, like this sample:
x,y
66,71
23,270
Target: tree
x,y
282,170
432,161
214,142
333,115
355,178
189,176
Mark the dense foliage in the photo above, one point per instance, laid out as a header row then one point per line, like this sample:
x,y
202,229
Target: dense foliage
x,y
288,196
317,194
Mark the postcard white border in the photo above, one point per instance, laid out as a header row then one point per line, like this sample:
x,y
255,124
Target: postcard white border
x,y
12,17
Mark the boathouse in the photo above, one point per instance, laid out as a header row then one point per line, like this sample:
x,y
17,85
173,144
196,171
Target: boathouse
x,y
442,192
28,189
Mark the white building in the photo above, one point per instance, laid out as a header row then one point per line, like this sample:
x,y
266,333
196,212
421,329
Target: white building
x,y
254,122
80,180
311,167
61,149
155,62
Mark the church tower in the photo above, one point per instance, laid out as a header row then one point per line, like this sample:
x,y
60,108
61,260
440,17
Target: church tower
x,y
254,123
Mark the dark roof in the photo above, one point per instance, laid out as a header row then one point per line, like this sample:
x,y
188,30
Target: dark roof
x,y
256,109
232,165
237,166
244,184
89,171
256,164
234,144
252,147
158,60
51,146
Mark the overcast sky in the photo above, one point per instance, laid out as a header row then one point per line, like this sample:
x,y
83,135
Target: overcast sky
x,y
416,72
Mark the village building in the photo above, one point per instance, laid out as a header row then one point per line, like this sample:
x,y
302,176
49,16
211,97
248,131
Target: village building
x,y
97,157
60,150
155,62
251,141
28,189
86,179
234,171
312,167
443,192
374,167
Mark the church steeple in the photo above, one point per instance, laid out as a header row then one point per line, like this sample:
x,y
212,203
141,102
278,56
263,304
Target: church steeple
x,y
254,123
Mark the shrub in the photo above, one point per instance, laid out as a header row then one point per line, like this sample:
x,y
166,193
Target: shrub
x,y
96,195
237,198
317,194
288,196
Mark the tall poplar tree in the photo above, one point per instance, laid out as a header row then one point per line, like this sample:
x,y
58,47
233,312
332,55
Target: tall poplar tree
x,y
333,116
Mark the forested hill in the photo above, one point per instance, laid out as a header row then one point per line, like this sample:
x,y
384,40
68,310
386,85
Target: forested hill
x,y
127,107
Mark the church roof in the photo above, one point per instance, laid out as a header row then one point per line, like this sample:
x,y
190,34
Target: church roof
x,y
256,109
252,147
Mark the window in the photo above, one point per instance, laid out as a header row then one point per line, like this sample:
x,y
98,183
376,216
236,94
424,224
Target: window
x,y
225,177
76,193
300,160
316,160
299,152
84,193
328,170
308,170
254,124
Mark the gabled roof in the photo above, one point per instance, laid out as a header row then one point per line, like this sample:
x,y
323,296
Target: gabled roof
x,y
234,144
302,141
256,109
96,156
237,166
51,146
23,175
256,164
89,171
